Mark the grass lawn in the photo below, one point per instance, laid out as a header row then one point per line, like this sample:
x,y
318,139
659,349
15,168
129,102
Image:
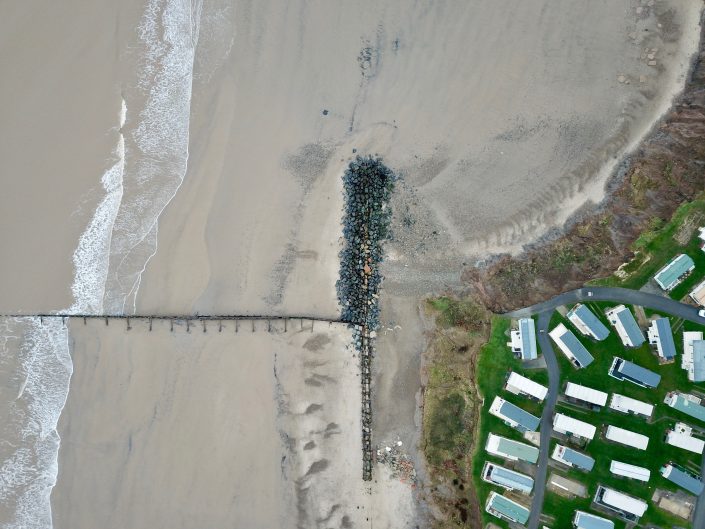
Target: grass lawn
x,y
657,453
494,364
659,245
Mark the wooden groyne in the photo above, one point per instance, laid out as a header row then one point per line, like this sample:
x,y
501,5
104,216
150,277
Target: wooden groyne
x,y
291,322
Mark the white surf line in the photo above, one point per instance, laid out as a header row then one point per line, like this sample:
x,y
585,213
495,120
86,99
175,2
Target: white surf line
x,y
195,25
27,481
29,471
68,364
92,256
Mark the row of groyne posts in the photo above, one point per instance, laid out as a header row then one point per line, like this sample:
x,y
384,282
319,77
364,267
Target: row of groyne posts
x,y
364,342
242,322
366,349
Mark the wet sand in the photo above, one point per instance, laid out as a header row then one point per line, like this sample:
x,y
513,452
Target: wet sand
x,y
59,106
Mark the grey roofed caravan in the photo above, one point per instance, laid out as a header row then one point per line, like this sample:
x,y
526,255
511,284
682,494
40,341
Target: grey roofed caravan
x,y
584,520
699,361
596,327
682,479
666,337
511,479
524,418
528,339
578,459
626,370
631,328
581,354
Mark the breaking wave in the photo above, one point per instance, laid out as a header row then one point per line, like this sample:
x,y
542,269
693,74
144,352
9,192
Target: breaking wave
x,y
31,442
157,147
150,161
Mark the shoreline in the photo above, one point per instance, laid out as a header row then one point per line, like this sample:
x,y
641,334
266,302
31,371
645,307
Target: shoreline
x,y
615,177
641,189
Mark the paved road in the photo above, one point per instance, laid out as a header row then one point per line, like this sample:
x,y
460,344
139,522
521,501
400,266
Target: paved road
x,y
546,417
699,513
619,295
545,311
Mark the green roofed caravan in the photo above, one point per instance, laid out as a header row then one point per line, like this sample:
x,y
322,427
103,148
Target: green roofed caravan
x,y
506,509
674,272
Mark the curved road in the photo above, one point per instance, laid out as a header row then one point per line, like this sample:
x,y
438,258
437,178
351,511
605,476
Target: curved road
x,y
619,295
545,311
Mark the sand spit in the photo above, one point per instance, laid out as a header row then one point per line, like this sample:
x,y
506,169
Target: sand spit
x,y
217,429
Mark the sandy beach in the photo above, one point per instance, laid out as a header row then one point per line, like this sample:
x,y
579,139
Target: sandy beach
x,y
554,119
217,429
187,160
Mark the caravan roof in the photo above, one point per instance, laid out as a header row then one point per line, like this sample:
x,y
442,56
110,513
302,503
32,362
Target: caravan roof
x,y
593,396
511,449
630,405
671,274
682,479
564,424
627,437
661,332
630,471
587,323
573,457
620,501
686,442
584,520
527,329
526,385
569,344
624,369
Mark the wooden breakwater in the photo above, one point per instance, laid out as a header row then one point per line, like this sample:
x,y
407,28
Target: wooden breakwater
x,y
196,321
366,353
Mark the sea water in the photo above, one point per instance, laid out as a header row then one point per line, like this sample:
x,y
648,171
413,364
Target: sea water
x,y
144,172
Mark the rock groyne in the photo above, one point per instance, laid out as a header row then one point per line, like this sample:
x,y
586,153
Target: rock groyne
x,y
368,185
